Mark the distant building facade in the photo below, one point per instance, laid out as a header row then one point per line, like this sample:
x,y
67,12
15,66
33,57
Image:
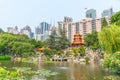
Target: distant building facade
x,y
69,26
107,13
91,13
42,31
13,30
88,25
38,30
53,28
27,31
83,27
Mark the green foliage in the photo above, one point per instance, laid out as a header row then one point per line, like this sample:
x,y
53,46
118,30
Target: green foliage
x,y
17,44
63,41
22,73
37,44
104,23
49,53
1,31
87,60
91,40
7,75
45,73
109,39
112,77
20,48
112,62
53,41
115,19
5,57
68,53
58,42
80,50
75,51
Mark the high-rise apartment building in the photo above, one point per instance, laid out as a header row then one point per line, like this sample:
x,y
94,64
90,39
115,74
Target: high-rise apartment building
x,y
69,26
91,13
88,25
107,13
83,27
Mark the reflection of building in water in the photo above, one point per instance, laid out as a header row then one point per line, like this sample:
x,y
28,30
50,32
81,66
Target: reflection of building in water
x,y
77,42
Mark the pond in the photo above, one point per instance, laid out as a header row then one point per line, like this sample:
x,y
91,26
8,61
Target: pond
x,y
65,70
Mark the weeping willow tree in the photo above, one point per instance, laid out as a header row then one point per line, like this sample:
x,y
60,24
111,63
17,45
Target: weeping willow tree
x,y
109,39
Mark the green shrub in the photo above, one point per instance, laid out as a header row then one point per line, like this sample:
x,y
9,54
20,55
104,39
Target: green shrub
x,y
112,62
81,50
5,57
87,60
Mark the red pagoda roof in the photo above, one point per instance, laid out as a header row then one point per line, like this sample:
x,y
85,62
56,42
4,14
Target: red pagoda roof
x,y
77,40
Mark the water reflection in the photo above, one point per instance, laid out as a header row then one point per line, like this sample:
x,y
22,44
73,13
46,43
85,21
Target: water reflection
x,y
64,68
66,71
75,71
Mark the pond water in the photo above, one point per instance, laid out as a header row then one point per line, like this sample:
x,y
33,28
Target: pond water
x,y
65,70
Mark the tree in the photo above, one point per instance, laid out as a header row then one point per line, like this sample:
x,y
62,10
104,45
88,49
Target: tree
x,y
11,43
104,23
22,48
58,42
2,46
109,39
37,44
91,40
115,19
53,40
63,41
1,31
49,53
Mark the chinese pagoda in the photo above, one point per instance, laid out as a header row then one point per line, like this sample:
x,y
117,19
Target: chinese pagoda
x,y
77,42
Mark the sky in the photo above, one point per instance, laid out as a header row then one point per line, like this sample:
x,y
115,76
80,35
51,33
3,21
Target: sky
x,y
31,12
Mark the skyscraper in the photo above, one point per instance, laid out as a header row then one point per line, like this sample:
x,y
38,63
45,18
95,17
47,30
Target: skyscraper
x,y
45,27
68,19
38,30
107,13
42,31
91,13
